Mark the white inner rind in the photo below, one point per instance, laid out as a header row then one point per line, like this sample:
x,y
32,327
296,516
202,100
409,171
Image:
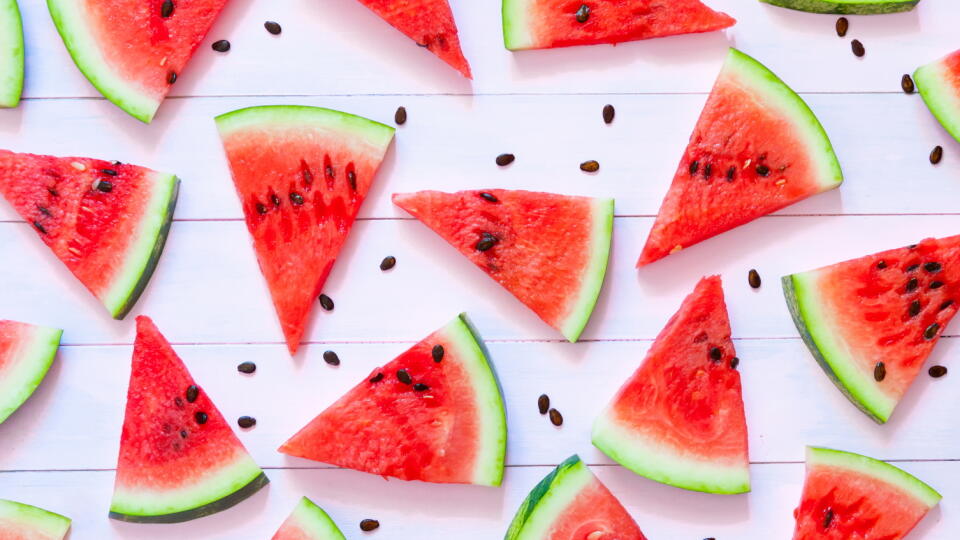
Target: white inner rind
x,y
11,54
591,281
312,520
517,33
563,491
26,367
879,470
940,95
666,464
44,522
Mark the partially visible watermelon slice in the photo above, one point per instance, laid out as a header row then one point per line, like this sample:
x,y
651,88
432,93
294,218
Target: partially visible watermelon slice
x,y
850,497
11,54
20,521
939,84
129,50
429,23
26,353
571,503
308,522
847,7
756,149
301,174
107,221
679,419
544,24
179,460
435,413
872,322
548,250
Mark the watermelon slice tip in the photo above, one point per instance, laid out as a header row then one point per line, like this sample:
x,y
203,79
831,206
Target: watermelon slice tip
x,y
19,521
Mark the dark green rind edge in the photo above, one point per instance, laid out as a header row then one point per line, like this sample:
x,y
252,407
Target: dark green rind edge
x,y
208,509
151,265
862,8
536,495
793,304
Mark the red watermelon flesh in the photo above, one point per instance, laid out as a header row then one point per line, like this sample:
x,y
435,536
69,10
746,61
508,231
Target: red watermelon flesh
x,y
107,221
179,459
429,23
757,148
543,24
417,418
679,419
301,174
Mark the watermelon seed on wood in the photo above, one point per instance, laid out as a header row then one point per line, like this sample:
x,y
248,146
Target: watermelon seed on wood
x,y
843,24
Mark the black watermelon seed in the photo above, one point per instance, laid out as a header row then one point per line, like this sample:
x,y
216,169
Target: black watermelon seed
x,y
857,48
52,192
331,358
403,376
543,403
296,199
936,284
400,117
246,422
879,372
221,45
104,185
352,180
731,174
913,267
171,77
583,14
201,417
45,211
329,172
708,170
39,227
486,242
716,354
590,166
937,371
763,170
931,331
906,83
828,518
734,362
193,392
912,285
183,434
881,265
262,209
437,353
914,309
368,525
272,27
247,367
946,304
694,167
489,197
166,8
608,114
936,155
933,267
753,278
556,418
109,172
420,387
388,262
326,302
505,159
842,26
912,246
376,378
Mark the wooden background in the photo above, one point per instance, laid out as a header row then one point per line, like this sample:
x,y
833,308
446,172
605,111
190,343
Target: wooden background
x,y
208,297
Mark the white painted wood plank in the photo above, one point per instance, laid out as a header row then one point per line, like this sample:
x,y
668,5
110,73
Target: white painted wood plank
x,y
416,510
324,41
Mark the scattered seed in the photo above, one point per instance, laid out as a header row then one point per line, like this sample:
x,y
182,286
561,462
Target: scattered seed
x,y
937,371
489,197
403,376
420,387
221,45
881,265
486,242
246,422
912,285
331,358
78,166
734,362
377,378
731,174
105,186
326,303
273,27
275,199
936,155
842,26
913,267
716,354
262,209
828,518
505,159
193,392
437,353
201,417
914,309
183,434
608,114
296,199
400,117
109,172
171,77
879,372
368,525
388,262
931,331
753,278
946,304
352,180
543,403
857,48
556,418
247,367
708,171
52,192
583,14
763,170
907,84
166,9
44,210
694,167
936,284
590,166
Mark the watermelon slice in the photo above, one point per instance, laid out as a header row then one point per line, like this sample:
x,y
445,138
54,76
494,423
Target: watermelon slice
x,y
26,353
571,503
20,521
872,322
545,24
847,496
107,221
133,51
435,413
429,23
548,250
847,7
301,174
756,149
308,522
11,54
179,459
679,419
939,84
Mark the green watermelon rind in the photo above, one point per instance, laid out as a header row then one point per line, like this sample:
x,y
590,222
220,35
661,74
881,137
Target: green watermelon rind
x,y
847,7
11,54
78,36
594,272
376,134
314,521
663,463
941,97
876,469
547,501
32,366
815,329
516,28
49,524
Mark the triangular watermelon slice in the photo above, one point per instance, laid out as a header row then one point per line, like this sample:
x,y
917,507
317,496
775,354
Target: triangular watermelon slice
x,y
435,413
133,51
308,522
939,84
179,459
848,496
872,322
20,521
548,250
545,24
11,54
679,419
301,174
756,149
107,221
26,353
429,23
